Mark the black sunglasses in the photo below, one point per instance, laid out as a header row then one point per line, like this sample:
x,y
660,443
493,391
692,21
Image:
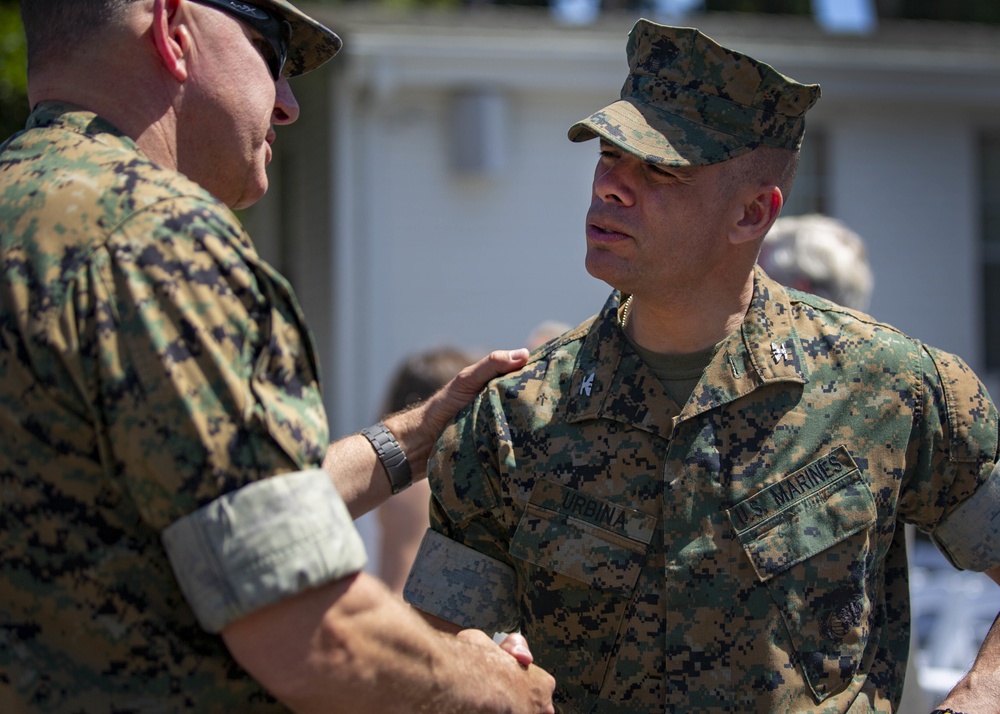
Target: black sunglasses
x,y
276,31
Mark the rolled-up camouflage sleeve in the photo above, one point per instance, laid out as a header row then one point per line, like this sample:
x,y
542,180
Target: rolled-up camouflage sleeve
x,y
953,492
262,543
463,573
461,585
970,535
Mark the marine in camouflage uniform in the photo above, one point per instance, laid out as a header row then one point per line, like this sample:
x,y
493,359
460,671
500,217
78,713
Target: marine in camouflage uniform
x,y
153,370
741,551
173,536
150,362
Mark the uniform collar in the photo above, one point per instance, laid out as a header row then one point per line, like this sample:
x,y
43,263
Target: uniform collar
x,y
70,117
769,340
612,382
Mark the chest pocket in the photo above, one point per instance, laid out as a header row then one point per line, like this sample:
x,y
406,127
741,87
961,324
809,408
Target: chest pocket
x,y
809,537
579,558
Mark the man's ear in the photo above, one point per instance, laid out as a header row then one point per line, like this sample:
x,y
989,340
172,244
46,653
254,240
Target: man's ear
x,y
171,37
758,215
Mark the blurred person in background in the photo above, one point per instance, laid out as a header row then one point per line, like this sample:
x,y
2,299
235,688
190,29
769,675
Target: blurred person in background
x,y
545,331
403,518
819,255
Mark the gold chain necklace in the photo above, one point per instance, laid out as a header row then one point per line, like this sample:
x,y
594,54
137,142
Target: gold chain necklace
x,y
625,307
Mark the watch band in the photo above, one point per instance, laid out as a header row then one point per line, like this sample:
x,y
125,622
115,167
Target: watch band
x,y
391,455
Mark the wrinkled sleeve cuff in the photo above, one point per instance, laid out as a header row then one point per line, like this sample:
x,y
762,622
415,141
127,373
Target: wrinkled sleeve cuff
x,y
970,535
461,585
262,543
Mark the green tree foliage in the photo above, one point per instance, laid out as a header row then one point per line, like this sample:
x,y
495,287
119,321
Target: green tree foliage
x,y
13,65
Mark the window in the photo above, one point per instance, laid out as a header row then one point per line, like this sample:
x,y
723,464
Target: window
x,y
989,202
808,194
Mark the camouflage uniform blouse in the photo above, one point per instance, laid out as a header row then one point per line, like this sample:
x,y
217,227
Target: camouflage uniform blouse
x,y
741,554
150,362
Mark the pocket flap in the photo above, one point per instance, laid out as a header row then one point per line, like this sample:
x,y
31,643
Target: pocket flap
x,y
804,513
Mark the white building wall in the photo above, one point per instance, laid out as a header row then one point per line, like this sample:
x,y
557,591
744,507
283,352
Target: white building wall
x,y
904,178
456,258
408,254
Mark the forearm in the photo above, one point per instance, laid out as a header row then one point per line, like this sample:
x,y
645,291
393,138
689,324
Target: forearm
x,y
438,624
353,646
356,471
978,692
352,463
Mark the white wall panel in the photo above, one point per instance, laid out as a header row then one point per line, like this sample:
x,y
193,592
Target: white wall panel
x,y
904,179
471,260
418,255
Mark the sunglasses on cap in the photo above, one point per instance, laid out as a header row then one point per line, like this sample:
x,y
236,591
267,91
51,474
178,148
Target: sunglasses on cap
x,y
275,31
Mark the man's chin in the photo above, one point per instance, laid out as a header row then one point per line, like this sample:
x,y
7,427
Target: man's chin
x,y
603,266
253,194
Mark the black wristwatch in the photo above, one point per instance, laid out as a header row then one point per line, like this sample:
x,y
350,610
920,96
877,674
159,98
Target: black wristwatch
x,y
391,455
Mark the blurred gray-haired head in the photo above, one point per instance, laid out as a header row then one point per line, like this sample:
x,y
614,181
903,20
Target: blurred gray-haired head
x,y
819,255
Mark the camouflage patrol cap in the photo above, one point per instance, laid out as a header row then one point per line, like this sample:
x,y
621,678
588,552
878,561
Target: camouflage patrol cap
x,y
688,101
311,44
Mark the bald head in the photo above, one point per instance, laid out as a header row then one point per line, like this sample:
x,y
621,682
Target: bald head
x,y
54,28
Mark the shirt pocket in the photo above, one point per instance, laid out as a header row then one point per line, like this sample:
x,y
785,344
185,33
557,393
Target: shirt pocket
x,y
579,557
810,540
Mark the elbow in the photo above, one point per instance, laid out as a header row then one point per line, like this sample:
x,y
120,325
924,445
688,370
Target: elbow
x,y
305,650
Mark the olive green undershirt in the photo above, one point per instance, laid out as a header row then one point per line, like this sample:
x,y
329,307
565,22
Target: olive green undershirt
x,y
680,374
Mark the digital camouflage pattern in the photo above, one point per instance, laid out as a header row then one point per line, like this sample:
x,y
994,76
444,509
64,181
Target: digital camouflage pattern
x,y
485,605
739,554
688,101
149,362
311,43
